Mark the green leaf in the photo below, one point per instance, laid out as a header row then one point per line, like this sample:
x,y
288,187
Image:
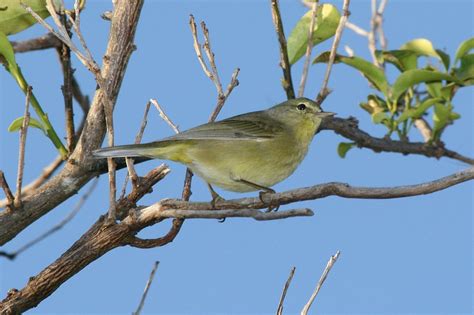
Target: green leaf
x,y
17,123
375,75
444,58
7,54
411,77
327,20
434,88
465,72
402,59
7,57
421,46
418,111
442,116
464,49
379,117
344,147
14,18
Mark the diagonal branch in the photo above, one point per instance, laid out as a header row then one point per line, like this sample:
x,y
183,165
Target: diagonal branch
x,y
80,168
285,65
332,260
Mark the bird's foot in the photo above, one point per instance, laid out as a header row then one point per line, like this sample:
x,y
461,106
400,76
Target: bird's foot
x,y
215,199
265,194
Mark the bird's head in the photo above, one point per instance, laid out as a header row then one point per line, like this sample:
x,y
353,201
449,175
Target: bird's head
x,y
300,113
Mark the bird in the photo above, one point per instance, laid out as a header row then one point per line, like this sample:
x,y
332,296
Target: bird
x,y
244,153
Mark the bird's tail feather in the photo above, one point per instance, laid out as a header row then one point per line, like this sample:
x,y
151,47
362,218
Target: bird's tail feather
x,y
132,150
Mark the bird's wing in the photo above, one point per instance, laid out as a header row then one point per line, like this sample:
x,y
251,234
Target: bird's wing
x,y
251,126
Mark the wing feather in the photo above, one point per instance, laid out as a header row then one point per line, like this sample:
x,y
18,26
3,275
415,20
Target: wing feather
x,y
251,126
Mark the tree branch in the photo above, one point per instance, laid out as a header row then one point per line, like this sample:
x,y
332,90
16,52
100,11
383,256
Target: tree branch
x,y
43,42
102,238
348,129
285,65
310,193
81,167
331,262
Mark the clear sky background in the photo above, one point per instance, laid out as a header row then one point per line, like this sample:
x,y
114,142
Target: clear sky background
x,y
411,255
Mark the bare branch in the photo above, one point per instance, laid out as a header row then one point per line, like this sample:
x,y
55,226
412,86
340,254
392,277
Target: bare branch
x,y
55,228
132,174
147,287
331,262
21,154
314,192
283,294
309,49
81,168
65,58
158,211
164,116
39,43
222,98
348,129
357,29
285,65
8,193
212,61
197,47
323,93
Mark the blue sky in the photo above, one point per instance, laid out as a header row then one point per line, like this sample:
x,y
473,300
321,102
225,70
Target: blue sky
x,y
411,255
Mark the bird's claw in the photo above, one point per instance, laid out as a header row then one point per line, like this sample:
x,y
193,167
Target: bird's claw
x,y
272,206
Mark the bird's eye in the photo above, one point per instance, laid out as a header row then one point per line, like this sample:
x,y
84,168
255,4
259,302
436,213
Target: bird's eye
x,y
301,107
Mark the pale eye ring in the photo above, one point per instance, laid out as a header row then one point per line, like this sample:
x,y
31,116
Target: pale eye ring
x,y
301,107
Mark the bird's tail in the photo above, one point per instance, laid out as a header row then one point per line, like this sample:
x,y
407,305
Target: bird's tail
x,y
167,150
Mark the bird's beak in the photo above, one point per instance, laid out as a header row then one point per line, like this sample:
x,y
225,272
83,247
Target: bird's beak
x,y
325,114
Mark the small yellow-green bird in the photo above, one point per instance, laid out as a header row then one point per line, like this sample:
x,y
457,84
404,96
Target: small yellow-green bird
x,y
248,152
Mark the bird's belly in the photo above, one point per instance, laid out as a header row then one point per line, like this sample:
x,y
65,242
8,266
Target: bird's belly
x,y
265,163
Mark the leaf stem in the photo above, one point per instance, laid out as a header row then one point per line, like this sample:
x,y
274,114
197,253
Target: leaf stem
x,y
50,132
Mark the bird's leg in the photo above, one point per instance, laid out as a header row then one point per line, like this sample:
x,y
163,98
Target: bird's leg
x,y
263,191
215,197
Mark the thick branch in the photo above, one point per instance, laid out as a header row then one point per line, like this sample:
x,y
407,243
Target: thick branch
x,y
348,129
97,241
78,171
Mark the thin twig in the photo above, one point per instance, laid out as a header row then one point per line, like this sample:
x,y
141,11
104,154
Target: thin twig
x,y
283,294
323,93
309,49
213,75
6,188
57,227
89,62
147,288
357,29
287,81
211,58
221,99
374,22
197,47
65,57
164,116
132,174
329,265
21,154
